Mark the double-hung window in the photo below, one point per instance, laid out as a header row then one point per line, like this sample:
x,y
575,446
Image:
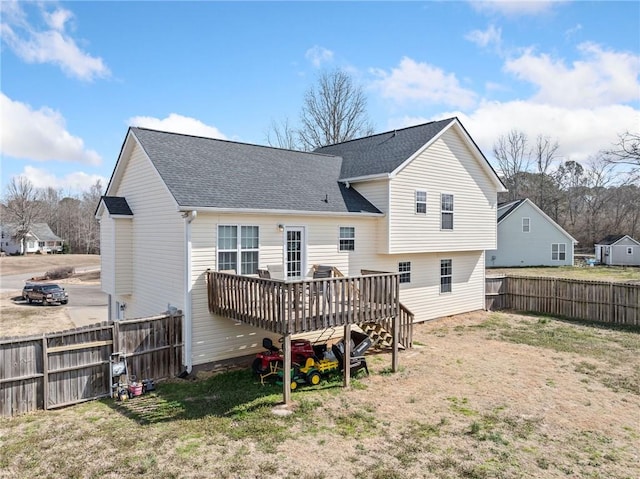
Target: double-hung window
x,y
421,202
347,239
404,268
446,201
526,225
630,250
238,248
558,251
446,273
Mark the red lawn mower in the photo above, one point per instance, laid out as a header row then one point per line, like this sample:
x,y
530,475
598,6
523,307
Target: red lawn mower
x,y
272,359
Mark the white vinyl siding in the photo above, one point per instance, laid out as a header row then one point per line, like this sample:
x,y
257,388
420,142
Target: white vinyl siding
x,y
123,256
107,254
446,166
157,240
377,193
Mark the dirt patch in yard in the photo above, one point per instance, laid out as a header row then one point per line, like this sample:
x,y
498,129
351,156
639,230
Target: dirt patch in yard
x,y
13,265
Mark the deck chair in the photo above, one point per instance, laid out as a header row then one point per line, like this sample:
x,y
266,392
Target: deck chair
x,y
322,271
264,274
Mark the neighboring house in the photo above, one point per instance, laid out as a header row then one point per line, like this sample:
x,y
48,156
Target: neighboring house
x,y
618,250
40,238
528,237
421,201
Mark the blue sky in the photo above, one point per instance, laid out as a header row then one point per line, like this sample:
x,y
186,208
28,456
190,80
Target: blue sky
x,y
75,75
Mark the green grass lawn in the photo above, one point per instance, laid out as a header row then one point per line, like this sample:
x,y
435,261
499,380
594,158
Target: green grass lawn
x,y
484,395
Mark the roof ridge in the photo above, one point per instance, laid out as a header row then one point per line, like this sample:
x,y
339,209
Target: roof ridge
x,y
244,143
395,130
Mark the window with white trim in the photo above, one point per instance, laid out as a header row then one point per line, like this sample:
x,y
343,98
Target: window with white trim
x,y
446,275
630,250
238,252
404,268
421,202
558,251
526,225
446,201
347,238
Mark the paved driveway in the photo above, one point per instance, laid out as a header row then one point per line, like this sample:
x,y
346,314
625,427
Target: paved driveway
x,y
87,303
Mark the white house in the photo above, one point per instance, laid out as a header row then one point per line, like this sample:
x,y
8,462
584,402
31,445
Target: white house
x,y
421,201
619,250
528,237
40,239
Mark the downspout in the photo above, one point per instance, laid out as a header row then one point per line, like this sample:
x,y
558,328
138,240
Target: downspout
x,y
187,322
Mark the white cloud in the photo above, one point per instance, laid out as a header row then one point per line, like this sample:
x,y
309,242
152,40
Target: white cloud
x,y
49,45
39,135
412,81
177,124
318,55
581,132
73,182
602,77
513,8
492,36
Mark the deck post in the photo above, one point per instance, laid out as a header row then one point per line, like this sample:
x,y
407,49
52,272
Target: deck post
x,y
346,360
286,373
394,351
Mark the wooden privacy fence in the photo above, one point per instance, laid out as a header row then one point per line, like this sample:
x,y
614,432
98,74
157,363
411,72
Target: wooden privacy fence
x,y
68,367
616,303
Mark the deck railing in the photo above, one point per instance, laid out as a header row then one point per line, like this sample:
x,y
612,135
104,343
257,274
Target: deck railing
x,y
292,307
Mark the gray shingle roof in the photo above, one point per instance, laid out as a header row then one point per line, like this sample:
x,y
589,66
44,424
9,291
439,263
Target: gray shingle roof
x,y
511,206
384,152
610,239
205,172
43,232
117,205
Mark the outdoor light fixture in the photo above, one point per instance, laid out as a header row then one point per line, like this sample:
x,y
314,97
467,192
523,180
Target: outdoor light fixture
x,y
281,227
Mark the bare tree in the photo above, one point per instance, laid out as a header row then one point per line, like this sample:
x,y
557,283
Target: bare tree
x,y
89,227
513,156
22,207
544,152
627,150
335,110
283,135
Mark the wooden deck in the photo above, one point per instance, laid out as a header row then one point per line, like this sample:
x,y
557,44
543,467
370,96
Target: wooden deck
x,y
293,307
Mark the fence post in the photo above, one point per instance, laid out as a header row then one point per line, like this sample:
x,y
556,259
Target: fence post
x,y
612,307
45,373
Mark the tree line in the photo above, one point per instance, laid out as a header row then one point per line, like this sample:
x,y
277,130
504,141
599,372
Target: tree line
x,y
70,216
590,200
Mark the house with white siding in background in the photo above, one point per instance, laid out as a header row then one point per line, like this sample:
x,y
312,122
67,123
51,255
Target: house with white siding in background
x,y
528,237
179,210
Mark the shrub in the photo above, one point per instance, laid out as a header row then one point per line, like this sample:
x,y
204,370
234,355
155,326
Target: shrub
x,y
60,273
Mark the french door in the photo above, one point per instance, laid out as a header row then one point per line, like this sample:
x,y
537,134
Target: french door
x,y
294,252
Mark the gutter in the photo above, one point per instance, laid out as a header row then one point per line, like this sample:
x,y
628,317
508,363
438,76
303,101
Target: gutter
x,y
187,324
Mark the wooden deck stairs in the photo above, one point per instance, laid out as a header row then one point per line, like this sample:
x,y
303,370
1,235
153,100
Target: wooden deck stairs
x,y
380,336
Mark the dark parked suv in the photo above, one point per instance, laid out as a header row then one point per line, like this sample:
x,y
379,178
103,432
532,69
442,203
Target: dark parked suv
x,y
45,293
